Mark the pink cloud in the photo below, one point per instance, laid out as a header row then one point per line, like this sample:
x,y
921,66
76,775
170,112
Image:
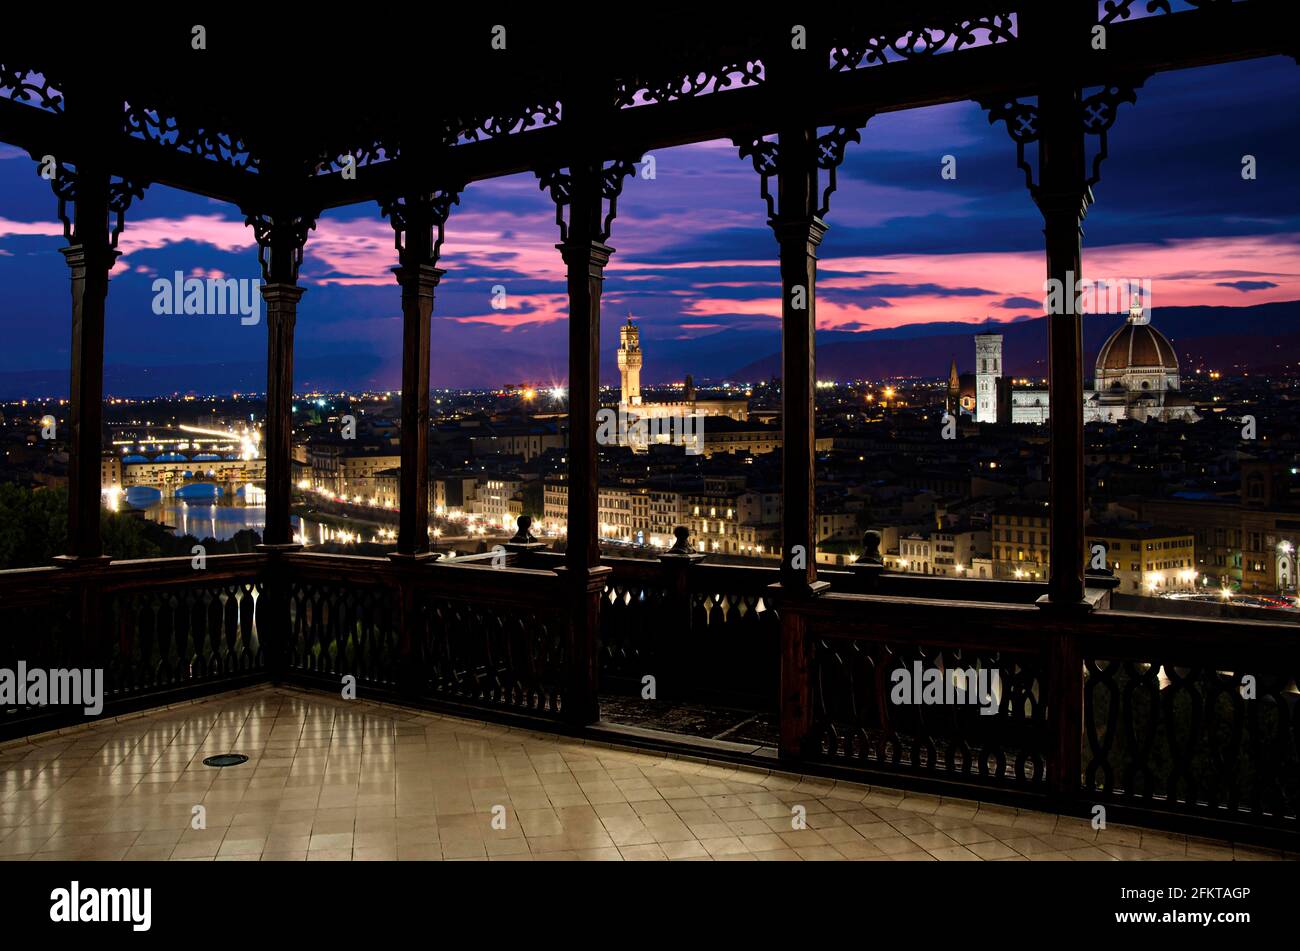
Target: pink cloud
x,y
546,309
49,229
1182,273
151,233
361,251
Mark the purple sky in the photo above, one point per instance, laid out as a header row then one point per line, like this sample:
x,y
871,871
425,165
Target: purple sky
x,y
695,259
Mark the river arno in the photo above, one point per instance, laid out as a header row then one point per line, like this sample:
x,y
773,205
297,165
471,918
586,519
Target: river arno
x,y
200,515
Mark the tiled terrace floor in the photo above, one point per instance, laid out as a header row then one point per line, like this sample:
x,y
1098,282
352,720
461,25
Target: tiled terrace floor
x,y
330,779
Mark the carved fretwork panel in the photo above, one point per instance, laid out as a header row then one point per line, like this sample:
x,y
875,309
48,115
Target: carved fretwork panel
x,y
374,152
429,212
859,48
21,83
1112,11
642,90
280,243
376,144
1097,113
156,126
769,160
534,116
559,182
121,193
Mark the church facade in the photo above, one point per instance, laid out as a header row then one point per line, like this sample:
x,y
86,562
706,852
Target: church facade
x,y
1136,377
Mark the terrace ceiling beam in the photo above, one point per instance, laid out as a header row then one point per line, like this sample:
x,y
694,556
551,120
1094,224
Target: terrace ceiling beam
x,y
39,133
1215,34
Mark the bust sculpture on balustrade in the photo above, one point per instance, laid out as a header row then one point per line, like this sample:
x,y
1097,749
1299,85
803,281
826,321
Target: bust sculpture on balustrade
x,y
869,565
524,541
682,551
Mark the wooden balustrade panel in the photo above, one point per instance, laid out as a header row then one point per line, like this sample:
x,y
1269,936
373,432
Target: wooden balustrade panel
x,y
734,648
342,626
1186,739
156,638
633,628
35,629
491,652
856,721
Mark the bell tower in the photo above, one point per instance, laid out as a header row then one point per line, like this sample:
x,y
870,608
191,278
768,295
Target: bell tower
x,y
629,362
988,370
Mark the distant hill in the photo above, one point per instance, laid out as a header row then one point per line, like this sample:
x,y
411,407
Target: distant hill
x,y
1261,338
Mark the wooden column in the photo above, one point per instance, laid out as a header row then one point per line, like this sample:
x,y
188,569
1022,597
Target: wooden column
x,y
418,220
585,256
418,282
280,237
90,256
1063,199
795,214
798,232
584,190
281,316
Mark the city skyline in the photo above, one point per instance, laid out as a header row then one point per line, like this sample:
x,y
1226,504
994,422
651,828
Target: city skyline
x,y
695,259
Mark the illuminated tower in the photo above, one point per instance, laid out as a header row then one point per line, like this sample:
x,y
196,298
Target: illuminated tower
x,y
629,362
988,368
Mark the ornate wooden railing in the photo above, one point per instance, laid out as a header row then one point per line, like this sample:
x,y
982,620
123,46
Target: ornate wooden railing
x,y
495,638
635,626
167,624
735,636
870,662
159,629
1199,717
37,623
475,632
705,633
344,620
1193,719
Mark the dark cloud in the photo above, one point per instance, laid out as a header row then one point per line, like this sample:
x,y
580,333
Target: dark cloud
x,y
1246,286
